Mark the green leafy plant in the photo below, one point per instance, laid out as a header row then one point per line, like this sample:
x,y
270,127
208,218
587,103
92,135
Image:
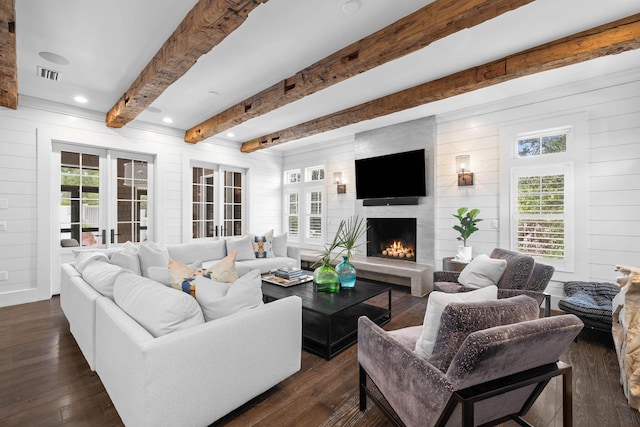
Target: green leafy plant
x,y
327,254
349,232
468,220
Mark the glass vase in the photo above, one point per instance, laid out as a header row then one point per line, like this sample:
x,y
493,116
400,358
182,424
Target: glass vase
x,y
325,279
346,273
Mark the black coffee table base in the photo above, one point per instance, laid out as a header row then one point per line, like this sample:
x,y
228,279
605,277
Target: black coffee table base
x,y
330,320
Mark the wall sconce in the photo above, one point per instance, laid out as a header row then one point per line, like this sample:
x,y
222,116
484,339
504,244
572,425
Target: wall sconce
x,y
463,168
337,178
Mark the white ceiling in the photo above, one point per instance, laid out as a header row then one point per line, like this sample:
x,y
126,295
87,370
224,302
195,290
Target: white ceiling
x,y
108,43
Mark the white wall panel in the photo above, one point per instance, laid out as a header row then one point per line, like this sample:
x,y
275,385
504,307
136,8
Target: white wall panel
x,y
26,137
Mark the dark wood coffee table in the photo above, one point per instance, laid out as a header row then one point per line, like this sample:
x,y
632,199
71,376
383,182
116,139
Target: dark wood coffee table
x,y
330,320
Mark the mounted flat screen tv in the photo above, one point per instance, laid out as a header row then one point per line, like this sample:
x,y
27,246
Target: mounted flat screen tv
x,y
396,178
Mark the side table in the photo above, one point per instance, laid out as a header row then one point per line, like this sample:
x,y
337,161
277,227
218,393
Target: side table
x,y
450,264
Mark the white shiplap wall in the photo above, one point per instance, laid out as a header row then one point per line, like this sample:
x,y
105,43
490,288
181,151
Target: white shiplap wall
x,y
612,108
26,136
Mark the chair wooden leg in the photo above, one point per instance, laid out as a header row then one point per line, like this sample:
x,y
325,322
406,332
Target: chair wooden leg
x,y
362,386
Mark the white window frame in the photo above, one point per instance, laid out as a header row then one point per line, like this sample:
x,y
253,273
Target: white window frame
x,y
575,158
565,169
303,189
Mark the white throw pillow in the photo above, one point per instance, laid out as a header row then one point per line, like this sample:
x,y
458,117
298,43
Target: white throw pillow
x,y
152,255
482,271
219,299
280,245
84,258
102,276
157,308
436,304
243,246
127,260
197,251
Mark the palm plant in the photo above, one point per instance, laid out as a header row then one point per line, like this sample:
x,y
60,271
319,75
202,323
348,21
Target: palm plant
x,y
349,233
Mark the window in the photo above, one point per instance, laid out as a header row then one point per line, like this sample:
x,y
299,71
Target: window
x,y
314,215
541,164
544,143
315,173
304,205
233,203
540,206
292,176
293,215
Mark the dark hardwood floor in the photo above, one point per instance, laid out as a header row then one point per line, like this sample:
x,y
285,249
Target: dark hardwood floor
x,y
45,380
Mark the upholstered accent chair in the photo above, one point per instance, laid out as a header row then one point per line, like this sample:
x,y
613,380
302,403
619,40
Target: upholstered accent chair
x,y
522,276
488,365
591,302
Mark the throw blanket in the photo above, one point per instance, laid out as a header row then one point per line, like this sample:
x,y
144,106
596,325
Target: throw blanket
x,y
626,333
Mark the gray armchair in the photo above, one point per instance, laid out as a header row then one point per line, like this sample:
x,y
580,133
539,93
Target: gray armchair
x,y
487,365
523,276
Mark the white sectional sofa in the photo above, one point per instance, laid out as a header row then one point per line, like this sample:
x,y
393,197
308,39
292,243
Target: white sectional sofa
x,y
189,377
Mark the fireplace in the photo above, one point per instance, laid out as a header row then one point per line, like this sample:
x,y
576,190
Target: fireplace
x,y
393,238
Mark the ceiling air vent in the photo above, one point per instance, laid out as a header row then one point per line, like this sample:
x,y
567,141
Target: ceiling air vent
x,y
48,74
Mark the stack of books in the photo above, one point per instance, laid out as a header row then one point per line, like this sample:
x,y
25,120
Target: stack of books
x,y
289,273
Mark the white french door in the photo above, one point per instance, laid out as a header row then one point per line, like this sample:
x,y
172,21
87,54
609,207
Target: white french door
x,y
103,199
217,201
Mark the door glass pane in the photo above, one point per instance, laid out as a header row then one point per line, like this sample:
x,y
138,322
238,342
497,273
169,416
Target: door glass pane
x,y
132,199
79,206
203,206
233,203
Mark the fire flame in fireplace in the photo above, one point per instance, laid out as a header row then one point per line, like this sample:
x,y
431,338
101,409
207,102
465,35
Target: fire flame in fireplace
x,y
397,250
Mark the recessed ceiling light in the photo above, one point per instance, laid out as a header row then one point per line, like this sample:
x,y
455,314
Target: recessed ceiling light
x,y
167,120
153,110
54,57
231,134
80,99
351,6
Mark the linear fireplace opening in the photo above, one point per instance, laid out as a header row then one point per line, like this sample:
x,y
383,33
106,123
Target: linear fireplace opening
x,y
393,238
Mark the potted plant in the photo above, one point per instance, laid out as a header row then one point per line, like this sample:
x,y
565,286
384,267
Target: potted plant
x,y
468,220
325,277
349,233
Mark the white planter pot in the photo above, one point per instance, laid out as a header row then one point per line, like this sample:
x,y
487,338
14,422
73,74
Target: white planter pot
x,y
464,254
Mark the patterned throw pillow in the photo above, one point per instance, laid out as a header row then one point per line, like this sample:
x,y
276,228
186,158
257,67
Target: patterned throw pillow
x,y
224,270
263,244
183,276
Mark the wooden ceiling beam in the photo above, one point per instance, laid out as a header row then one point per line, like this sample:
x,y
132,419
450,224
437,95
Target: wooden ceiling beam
x,y
205,26
409,34
8,67
608,39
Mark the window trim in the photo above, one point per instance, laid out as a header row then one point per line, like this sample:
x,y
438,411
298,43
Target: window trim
x,y
576,154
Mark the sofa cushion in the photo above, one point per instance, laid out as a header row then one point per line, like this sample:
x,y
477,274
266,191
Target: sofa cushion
x,y
102,276
197,251
435,305
152,254
220,299
280,244
157,308
482,271
458,320
267,264
243,247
